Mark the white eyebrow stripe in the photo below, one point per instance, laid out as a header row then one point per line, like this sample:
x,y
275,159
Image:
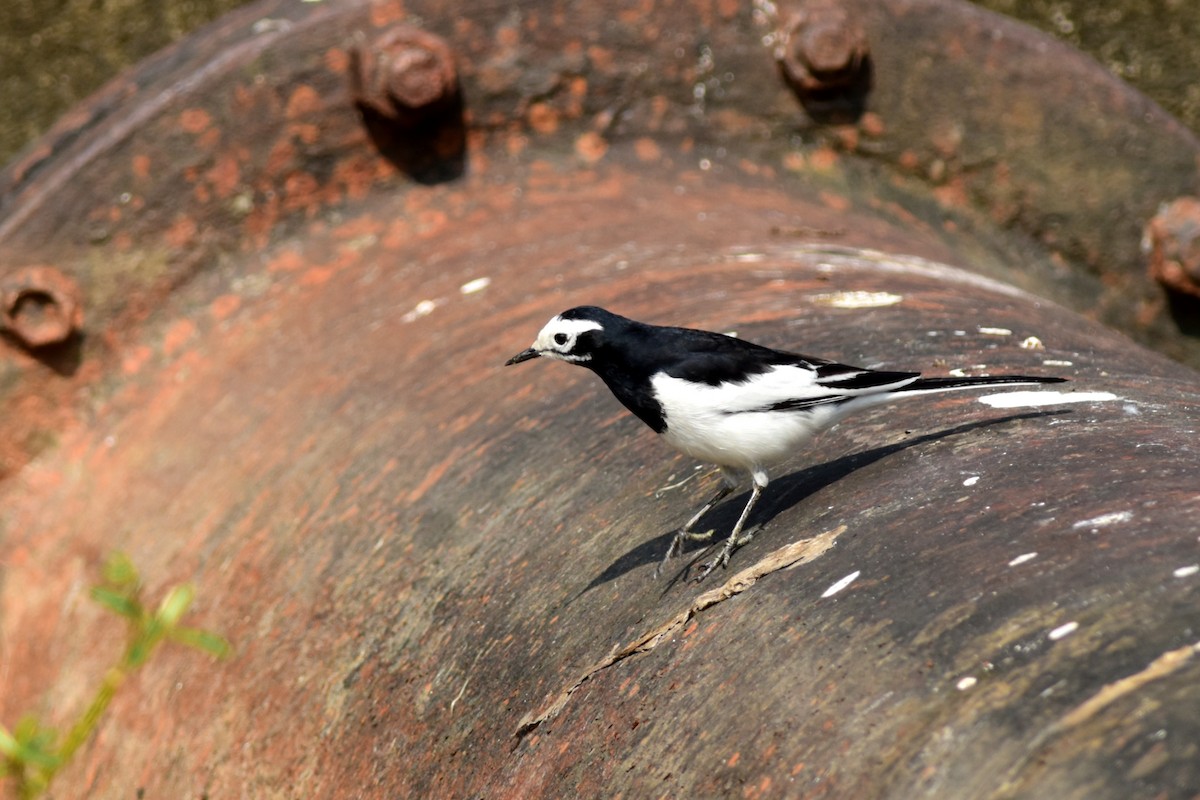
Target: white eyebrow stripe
x,y
576,326
572,327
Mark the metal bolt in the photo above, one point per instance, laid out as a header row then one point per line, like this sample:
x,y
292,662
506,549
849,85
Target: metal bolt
x,y
404,74
822,48
1172,242
40,306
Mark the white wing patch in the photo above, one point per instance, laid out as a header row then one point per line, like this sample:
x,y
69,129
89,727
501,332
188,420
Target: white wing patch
x,y
776,385
717,424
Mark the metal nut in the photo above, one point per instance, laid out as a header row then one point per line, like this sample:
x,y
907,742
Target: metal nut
x,y
404,74
1172,242
822,48
40,306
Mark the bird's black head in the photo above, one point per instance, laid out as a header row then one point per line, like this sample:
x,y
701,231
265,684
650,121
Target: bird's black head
x,y
574,336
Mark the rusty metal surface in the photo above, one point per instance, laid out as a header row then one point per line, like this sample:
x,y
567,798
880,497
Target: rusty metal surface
x,y
413,548
249,131
291,394
251,118
1036,137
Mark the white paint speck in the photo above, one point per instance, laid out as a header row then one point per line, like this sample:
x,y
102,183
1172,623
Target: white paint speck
x,y
1063,630
477,285
995,331
1131,410
268,25
1032,343
857,299
1021,559
966,683
1186,572
1104,520
1056,362
422,309
1033,399
842,584
971,481
750,258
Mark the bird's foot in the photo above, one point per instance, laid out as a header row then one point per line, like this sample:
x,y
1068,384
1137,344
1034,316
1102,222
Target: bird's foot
x,y
682,535
722,558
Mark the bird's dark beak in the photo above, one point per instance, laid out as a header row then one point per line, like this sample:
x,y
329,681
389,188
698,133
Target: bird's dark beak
x,y
524,355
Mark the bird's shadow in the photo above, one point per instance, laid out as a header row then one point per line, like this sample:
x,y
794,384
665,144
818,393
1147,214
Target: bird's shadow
x,y
781,495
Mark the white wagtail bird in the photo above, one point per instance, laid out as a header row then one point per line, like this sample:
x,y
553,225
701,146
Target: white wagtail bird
x,y
726,401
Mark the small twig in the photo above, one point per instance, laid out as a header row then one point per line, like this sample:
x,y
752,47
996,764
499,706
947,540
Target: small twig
x,y
1160,667
1166,664
789,555
678,484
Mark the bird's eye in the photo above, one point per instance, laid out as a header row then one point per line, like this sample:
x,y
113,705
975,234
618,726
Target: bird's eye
x,y
560,338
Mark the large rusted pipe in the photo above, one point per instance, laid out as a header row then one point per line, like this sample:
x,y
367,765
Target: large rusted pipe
x,y
438,573
416,551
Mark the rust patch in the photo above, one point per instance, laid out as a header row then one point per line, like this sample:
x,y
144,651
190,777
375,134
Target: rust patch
x,y
591,147
195,120
225,306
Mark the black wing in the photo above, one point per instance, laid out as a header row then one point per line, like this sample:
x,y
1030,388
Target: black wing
x,y
714,358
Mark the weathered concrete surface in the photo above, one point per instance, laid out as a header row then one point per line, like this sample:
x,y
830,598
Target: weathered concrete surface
x,y
301,408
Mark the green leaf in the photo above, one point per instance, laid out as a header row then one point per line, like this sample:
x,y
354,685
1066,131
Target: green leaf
x,y
30,744
144,643
117,602
39,757
175,604
9,746
31,754
120,572
204,641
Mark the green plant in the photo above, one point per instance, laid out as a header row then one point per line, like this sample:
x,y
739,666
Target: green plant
x,y
32,753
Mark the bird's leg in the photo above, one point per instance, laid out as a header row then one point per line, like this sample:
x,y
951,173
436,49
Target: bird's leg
x,y
729,483
736,537
686,534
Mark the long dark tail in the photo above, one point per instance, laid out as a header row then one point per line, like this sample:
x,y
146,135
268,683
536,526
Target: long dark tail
x,y
947,384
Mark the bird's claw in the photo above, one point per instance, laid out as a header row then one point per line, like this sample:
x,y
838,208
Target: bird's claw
x,y
722,558
676,546
708,566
